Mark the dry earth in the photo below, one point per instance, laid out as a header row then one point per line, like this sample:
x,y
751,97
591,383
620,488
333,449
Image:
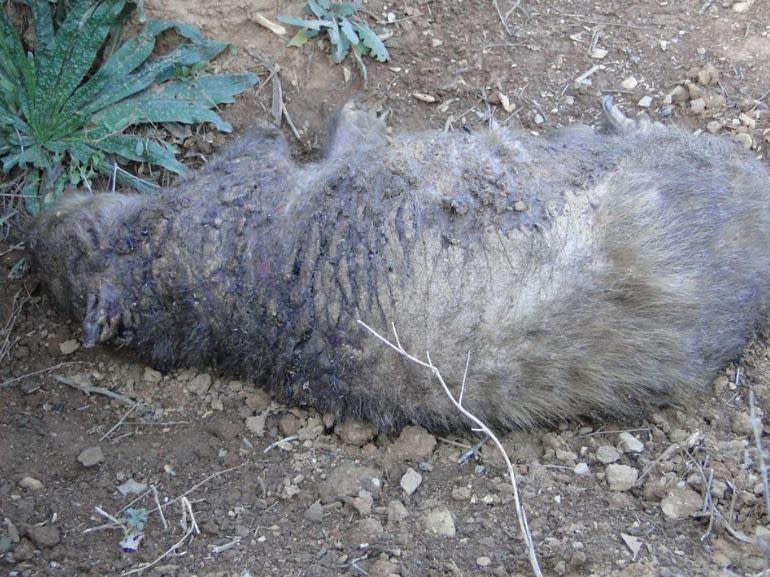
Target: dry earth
x,y
676,493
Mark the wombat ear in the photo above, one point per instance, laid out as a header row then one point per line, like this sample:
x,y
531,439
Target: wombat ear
x,y
353,127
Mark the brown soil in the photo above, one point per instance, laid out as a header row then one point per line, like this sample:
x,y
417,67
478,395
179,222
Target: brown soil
x,y
259,514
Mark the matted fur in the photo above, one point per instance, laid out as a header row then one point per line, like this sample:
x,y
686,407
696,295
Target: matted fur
x,y
585,272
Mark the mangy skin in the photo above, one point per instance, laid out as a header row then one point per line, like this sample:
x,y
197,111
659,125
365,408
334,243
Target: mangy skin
x,y
586,273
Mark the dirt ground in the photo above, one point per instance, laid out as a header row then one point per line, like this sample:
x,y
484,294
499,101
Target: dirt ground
x,y
675,493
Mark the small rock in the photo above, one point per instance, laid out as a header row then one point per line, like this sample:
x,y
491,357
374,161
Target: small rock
x,y
629,444
708,75
5,545
396,512
520,206
629,83
440,522
256,424
69,347
745,140
483,561
565,455
698,105
599,53
200,384
681,502
461,493
24,551
289,425
152,376
422,97
46,536
258,400
363,503
410,481
91,456
742,6
13,532
315,512
539,119
366,530
581,469
714,126
436,42
678,94
621,477
607,454
131,487
348,480
645,101
30,484
413,443
355,432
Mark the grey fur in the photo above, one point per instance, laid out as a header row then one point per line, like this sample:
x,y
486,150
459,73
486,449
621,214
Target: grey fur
x,y
585,272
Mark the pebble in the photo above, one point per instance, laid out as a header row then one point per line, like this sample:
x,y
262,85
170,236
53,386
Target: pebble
x,y
315,512
520,206
367,529
69,347
91,456
681,502
714,126
621,477
708,75
629,444
422,97
355,432
152,376
581,469
289,424
483,561
745,140
46,536
698,105
410,481
396,512
461,493
629,83
607,454
645,101
200,384
599,53
413,443
131,487
30,484
440,522
258,400
678,94
348,480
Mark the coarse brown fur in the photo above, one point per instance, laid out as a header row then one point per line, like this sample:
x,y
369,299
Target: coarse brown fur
x,y
585,272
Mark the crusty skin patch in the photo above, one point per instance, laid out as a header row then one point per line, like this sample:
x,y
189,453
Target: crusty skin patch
x,y
586,272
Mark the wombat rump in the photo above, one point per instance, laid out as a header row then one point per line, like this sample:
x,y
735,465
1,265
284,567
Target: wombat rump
x,y
586,272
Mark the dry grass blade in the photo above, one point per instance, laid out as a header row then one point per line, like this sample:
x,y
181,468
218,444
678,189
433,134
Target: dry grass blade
x,y
480,426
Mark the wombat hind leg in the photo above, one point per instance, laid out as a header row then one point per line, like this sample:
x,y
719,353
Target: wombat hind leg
x,y
354,126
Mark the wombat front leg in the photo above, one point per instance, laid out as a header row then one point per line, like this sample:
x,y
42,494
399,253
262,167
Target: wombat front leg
x,y
106,317
354,127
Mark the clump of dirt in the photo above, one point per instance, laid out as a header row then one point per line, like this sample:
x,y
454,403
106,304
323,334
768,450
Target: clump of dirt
x,y
279,490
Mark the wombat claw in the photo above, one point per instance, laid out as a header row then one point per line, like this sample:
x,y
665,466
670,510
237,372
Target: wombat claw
x,y
105,318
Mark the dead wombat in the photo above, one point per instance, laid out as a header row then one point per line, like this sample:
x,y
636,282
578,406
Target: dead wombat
x,y
586,272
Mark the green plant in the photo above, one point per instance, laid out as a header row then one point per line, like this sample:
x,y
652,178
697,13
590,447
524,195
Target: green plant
x,y
346,31
67,102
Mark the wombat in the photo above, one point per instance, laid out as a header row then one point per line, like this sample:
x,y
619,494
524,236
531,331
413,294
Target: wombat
x,y
586,272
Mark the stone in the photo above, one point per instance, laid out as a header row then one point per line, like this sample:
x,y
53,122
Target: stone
x,y
355,432
200,384
45,536
607,454
348,480
439,521
91,456
629,444
152,376
396,512
621,477
31,484
410,481
414,443
681,502
69,347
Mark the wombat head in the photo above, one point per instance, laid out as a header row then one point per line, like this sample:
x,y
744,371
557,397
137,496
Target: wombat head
x,y
74,244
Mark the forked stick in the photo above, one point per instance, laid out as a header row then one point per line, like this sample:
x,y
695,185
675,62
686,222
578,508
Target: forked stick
x,y
457,402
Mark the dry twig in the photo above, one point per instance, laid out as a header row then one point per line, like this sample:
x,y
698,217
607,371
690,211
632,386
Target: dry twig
x,y
480,426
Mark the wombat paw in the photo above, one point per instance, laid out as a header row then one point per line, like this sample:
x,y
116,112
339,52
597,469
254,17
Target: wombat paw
x,y
106,317
355,126
615,121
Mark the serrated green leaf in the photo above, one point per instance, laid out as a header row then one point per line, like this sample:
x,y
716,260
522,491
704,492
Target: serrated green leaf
x,y
187,102
372,42
75,49
347,30
318,10
131,55
359,50
340,43
160,154
299,39
31,191
344,9
303,23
